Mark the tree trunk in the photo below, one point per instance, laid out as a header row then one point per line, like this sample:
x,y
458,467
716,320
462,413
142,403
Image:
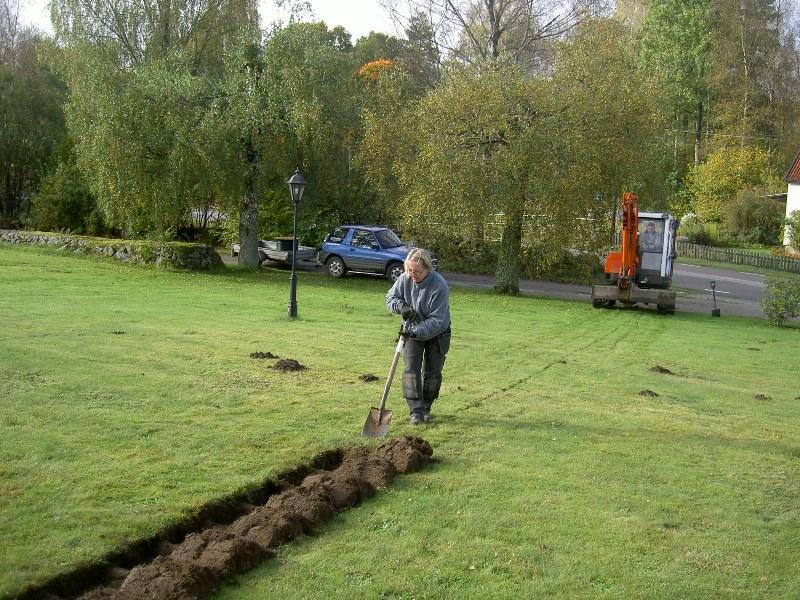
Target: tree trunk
x,y
9,204
614,208
506,278
675,162
4,200
248,214
698,131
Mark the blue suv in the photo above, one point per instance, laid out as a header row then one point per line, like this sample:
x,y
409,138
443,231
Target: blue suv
x,y
363,249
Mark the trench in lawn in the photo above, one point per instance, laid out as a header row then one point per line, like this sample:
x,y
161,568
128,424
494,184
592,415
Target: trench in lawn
x,y
232,535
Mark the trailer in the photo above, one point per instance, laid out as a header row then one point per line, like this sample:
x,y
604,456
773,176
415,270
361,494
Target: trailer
x,y
279,250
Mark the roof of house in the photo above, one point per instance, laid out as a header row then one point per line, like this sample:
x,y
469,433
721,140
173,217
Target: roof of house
x,y
793,174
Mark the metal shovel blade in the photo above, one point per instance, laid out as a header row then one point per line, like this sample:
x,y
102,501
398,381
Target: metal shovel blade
x,y
377,423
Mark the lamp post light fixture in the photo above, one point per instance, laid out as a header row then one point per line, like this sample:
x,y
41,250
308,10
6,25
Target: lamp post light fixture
x,y
296,186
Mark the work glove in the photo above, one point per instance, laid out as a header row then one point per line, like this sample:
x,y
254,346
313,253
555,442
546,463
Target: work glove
x,y
405,330
407,312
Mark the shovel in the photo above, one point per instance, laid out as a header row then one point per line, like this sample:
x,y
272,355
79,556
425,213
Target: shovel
x,y
377,423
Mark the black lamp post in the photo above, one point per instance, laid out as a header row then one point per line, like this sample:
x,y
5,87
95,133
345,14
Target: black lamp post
x,y
296,186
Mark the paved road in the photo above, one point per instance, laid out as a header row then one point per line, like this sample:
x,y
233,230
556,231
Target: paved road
x,y
738,294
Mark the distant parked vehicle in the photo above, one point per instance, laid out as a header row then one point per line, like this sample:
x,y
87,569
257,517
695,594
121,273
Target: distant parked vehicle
x,y
279,250
363,249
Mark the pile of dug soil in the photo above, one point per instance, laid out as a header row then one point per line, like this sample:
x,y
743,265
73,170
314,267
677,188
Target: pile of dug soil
x,y
262,355
195,567
288,364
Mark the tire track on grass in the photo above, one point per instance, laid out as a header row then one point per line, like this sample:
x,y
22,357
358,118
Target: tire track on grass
x,y
616,336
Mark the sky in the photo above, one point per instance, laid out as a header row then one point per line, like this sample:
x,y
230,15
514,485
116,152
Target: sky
x,y
359,17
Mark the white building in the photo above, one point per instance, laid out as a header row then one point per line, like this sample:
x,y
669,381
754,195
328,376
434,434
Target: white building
x,y
793,196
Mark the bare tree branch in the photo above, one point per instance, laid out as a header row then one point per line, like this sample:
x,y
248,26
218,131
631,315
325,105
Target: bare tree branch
x,y
518,30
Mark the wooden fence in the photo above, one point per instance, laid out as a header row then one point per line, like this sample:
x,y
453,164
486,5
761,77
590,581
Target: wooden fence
x,y
739,257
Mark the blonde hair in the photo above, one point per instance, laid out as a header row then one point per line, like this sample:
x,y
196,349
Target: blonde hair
x,y
420,256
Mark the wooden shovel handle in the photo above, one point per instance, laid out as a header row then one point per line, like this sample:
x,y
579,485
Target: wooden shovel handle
x,y
398,351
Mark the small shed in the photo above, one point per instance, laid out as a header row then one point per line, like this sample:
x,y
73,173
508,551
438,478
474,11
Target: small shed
x,y
793,195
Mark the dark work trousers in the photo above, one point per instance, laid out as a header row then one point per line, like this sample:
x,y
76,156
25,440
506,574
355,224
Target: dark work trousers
x,y
422,376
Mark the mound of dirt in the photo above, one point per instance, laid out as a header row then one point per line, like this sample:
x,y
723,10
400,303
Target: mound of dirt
x,y
660,369
288,364
648,394
262,355
368,377
195,567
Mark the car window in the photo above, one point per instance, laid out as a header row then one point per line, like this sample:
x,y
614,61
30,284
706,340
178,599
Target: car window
x,y
337,235
388,238
363,239
650,239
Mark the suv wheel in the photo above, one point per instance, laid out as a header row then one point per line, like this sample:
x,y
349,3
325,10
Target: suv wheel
x,y
335,266
394,270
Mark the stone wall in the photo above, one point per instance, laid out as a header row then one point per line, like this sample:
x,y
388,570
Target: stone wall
x,y
179,255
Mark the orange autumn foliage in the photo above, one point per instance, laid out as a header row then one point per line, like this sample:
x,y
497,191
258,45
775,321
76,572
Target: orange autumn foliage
x,y
372,70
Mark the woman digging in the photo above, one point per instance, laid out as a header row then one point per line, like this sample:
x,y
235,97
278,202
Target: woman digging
x,y
421,296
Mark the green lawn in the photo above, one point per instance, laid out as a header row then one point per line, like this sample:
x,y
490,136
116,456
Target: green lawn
x,y
128,399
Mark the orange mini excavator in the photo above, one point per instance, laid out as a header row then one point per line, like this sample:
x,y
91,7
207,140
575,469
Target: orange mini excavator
x,y
641,271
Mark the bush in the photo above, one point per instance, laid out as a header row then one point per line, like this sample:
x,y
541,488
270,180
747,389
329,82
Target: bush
x,y
781,301
713,185
480,257
754,219
696,232
65,203
782,251
793,229
210,234
572,267
463,255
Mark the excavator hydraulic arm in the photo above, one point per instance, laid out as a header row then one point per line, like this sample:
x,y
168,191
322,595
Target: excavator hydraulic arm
x,y
630,235
623,264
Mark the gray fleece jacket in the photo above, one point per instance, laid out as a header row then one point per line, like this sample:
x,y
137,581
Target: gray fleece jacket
x,y
430,300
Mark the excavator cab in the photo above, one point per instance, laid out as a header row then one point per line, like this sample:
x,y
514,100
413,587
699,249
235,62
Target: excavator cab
x,y
656,249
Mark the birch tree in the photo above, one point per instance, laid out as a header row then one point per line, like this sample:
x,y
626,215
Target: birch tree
x,y
674,47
